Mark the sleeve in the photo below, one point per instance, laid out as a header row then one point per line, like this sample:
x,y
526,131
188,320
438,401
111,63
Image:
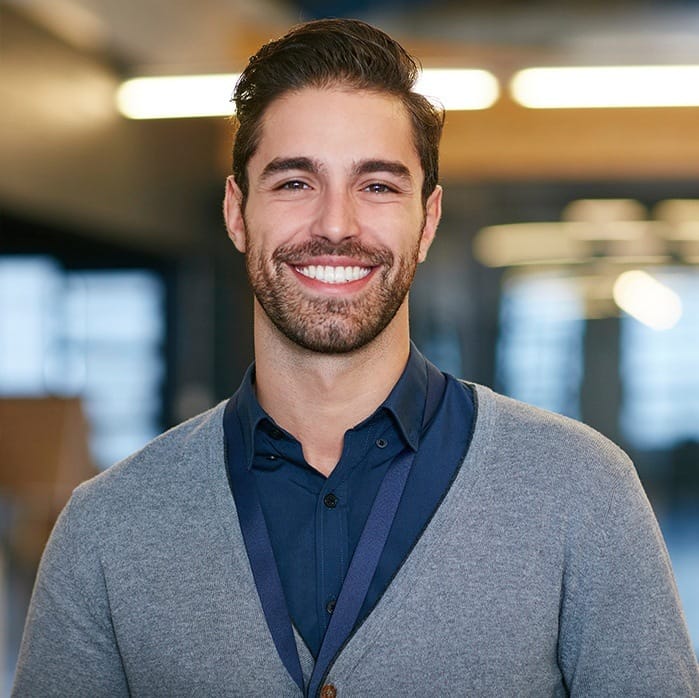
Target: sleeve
x,y
622,630
69,647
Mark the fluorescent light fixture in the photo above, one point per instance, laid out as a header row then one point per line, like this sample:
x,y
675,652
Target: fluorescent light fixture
x,y
647,300
607,87
176,96
208,95
604,210
682,216
459,89
520,244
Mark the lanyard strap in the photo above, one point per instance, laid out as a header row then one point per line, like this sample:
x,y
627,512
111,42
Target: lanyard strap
x,y
363,565
364,561
259,546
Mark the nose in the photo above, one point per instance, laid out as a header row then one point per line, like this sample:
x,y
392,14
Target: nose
x,y
336,218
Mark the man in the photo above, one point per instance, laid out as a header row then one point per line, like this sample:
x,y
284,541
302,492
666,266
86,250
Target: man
x,y
353,522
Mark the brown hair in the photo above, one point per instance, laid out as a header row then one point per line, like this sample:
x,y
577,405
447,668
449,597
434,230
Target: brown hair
x,y
329,52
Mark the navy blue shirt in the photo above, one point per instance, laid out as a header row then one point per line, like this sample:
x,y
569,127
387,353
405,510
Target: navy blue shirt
x,y
314,521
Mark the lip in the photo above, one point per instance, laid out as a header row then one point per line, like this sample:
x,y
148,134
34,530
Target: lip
x,y
332,261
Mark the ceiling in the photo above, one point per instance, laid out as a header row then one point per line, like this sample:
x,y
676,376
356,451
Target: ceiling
x,y
170,35
69,159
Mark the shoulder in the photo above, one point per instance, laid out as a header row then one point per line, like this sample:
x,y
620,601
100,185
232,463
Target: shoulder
x,y
171,456
178,467
522,438
547,472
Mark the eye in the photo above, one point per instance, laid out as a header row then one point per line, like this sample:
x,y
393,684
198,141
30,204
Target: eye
x,y
379,188
293,185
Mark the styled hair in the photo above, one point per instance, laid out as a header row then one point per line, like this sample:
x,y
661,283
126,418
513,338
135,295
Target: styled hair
x,y
326,53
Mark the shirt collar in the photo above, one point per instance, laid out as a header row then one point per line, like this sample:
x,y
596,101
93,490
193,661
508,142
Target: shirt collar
x,y
405,403
250,413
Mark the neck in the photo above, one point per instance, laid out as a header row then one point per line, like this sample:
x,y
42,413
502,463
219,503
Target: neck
x,y
318,397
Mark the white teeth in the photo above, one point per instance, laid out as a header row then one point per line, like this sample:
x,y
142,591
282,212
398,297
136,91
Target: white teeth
x,y
334,275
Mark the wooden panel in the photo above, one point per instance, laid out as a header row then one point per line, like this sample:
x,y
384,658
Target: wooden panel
x,y
43,447
511,142
43,456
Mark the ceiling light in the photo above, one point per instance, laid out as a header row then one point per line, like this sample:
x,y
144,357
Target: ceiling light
x,y
209,95
175,96
607,87
604,210
647,300
683,217
521,244
459,89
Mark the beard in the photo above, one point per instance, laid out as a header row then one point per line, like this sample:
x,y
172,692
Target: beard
x,y
329,325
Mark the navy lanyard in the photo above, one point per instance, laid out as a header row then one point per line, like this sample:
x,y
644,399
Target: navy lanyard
x,y
364,561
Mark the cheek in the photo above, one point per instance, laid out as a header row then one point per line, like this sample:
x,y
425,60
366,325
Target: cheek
x,y
274,227
397,229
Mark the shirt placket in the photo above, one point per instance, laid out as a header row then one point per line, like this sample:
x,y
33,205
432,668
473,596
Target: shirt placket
x,y
332,548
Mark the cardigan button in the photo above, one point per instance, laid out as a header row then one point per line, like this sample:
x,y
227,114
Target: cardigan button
x,y
328,691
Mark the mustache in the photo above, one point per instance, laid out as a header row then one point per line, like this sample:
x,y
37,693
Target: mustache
x,y
298,254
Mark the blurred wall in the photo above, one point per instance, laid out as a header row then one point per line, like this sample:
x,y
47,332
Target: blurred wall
x,y
69,159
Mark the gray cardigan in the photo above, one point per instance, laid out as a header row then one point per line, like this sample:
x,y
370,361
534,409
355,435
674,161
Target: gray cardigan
x,y
543,573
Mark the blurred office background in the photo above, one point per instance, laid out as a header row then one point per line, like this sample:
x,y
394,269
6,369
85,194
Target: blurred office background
x,y
124,309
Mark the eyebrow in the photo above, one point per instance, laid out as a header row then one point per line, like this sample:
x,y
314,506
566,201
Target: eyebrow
x,y
305,164
284,164
393,167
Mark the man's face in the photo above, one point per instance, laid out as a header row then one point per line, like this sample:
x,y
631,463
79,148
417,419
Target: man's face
x,y
334,225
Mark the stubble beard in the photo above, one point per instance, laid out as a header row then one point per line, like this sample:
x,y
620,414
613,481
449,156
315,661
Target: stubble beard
x,y
324,324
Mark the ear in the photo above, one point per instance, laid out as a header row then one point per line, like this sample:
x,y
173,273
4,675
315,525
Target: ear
x,y
433,212
233,214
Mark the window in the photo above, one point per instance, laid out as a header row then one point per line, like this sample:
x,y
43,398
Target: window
x,y
660,372
540,345
94,334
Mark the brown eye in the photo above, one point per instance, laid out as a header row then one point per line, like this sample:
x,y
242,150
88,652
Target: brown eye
x,y
378,188
294,185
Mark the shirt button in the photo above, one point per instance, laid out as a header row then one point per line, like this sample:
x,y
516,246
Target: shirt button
x,y
330,500
381,443
328,691
330,606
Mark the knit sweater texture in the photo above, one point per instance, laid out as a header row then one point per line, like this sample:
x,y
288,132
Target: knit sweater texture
x,y
542,573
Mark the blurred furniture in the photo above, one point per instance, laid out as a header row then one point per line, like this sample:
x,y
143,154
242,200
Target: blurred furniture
x,y
43,456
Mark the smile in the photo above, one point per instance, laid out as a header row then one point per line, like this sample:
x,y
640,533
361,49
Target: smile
x,y
334,275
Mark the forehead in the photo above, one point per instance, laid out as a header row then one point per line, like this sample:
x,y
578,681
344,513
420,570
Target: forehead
x,y
338,126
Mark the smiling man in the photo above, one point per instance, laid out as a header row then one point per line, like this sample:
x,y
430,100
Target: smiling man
x,y
352,521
